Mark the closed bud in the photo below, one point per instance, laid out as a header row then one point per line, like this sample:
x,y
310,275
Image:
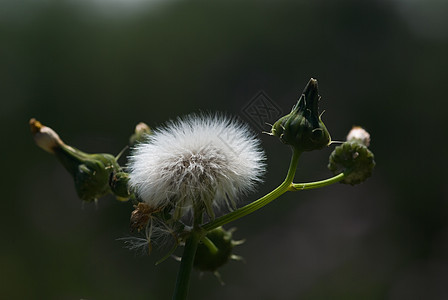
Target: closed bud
x,y
208,260
119,184
353,158
141,130
303,128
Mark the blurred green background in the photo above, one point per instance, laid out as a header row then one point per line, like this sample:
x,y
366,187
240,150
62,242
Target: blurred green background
x,y
92,69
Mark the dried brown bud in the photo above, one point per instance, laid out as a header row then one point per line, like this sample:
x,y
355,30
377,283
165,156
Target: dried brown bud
x,y
140,216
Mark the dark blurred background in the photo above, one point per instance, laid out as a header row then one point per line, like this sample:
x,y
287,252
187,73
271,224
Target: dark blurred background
x,y
93,69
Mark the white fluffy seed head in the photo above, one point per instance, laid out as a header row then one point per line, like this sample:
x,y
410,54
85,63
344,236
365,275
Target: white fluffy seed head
x,y
211,159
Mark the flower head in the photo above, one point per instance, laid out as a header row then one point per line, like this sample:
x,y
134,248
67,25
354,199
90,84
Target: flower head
x,y
197,160
353,157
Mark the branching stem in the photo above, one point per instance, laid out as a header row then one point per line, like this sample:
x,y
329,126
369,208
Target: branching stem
x,y
316,184
198,232
251,207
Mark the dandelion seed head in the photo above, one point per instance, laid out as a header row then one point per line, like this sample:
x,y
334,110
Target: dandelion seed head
x,y
196,158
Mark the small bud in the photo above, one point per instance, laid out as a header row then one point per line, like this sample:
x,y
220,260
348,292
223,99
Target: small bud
x,y
353,157
141,130
118,183
45,137
303,128
208,260
359,135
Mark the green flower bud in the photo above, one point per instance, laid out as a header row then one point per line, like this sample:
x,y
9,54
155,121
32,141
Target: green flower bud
x,y
141,130
118,183
303,128
91,172
209,260
354,159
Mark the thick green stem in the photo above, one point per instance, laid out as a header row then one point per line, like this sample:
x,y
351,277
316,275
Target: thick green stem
x,y
183,277
186,264
316,184
251,207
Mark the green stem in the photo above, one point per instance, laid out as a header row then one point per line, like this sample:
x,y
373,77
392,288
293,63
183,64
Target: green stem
x,y
183,277
316,184
251,207
186,264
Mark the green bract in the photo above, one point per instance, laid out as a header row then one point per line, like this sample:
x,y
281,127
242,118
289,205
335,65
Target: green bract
x,y
303,128
354,159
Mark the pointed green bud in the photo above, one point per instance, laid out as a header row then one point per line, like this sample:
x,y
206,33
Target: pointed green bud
x,y
210,258
141,130
353,157
91,172
303,128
